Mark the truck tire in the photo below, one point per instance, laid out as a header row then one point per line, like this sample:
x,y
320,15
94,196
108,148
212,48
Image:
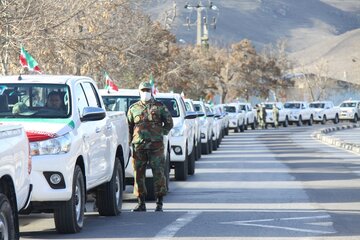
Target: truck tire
x,y
300,123
210,145
7,223
181,169
205,148
214,145
253,124
311,120
355,118
191,162
324,120
109,195
167,169
199,149
69,216
336,119
242,127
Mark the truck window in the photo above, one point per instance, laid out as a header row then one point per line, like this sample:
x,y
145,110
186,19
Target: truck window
x,y
91,95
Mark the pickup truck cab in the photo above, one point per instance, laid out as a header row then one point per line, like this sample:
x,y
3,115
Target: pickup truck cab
x,y
15,187
300,112
206,123
325,110
76,149
250,115
196,124
182,135
121,100
237,117
350,110
284,114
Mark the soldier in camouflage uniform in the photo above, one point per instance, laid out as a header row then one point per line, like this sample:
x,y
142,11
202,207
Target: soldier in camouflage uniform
x,y
275,113
149,120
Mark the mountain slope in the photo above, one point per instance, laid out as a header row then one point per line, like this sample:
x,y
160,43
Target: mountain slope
x,y
314,29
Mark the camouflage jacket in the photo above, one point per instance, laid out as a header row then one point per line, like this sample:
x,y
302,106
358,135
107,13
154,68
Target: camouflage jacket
x,y
148,123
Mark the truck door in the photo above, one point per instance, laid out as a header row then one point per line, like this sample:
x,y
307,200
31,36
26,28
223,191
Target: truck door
x,y
94,134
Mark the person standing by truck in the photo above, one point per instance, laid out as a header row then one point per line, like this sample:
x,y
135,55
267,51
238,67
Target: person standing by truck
x,y
149,120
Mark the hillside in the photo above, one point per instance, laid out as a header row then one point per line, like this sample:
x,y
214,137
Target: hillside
x,y
314,29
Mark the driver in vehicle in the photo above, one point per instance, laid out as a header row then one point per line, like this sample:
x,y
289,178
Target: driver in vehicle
x,y
54,101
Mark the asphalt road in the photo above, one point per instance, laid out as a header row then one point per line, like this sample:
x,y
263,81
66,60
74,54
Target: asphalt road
x,y
261,184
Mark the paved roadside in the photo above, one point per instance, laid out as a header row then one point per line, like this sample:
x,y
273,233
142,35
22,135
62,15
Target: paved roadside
x,y
345,136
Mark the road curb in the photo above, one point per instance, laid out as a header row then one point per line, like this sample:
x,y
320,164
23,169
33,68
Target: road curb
x,y
322,136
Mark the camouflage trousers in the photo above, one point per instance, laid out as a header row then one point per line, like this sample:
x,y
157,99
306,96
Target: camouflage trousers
x,y
156,159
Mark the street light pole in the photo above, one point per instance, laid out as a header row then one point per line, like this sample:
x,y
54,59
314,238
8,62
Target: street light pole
x,y
202,34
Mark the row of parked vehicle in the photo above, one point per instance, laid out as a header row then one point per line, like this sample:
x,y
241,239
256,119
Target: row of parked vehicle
x,y
82,148
301,112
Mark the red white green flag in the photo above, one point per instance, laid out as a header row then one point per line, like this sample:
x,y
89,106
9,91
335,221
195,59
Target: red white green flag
x,y
152,82
109,83
27,61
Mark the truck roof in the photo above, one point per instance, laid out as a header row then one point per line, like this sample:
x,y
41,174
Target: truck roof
x,y
120,92
49,79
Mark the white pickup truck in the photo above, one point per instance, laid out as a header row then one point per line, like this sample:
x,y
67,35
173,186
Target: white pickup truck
x,y
121,101
15,187
76,146
284,113
237,117
350,110
325,110
300,112
250,115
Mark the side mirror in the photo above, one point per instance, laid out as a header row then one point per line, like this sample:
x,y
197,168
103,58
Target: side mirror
x,y
191,115
93,114
200,114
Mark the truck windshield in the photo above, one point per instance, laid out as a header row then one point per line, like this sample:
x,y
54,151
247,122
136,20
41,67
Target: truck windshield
x,y
292,105
348,104
230,109
317,105
34,101
119,103
172,106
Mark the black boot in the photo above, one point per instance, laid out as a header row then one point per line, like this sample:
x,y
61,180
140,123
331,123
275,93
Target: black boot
x,y
159,204
141,205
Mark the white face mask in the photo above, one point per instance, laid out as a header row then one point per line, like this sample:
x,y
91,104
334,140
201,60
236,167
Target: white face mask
x,y
145,96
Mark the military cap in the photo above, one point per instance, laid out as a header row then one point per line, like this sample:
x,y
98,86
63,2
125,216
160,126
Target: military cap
x,y
145,85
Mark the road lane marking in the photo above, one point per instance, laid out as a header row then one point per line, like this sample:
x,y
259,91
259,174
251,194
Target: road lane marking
x,y
170,230
256,223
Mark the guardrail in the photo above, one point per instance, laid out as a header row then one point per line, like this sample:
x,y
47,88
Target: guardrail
x,y
322,136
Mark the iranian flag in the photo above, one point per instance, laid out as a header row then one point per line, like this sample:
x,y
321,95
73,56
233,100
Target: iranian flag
x,y
109,83
152,82
27,61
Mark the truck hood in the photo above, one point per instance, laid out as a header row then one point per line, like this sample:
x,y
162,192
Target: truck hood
x,y
42,129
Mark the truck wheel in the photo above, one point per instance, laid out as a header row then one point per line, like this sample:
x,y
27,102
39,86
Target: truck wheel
x,y
7,224
311,121
199,149
299,123
324,120
214,145
227,131
355,118
191,162
210,145
181,169
167,169
242,128
109,195
253,125
69,217
205,148
236,129
336,120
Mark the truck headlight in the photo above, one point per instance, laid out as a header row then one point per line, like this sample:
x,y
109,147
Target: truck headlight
x,y
178,131
51,146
